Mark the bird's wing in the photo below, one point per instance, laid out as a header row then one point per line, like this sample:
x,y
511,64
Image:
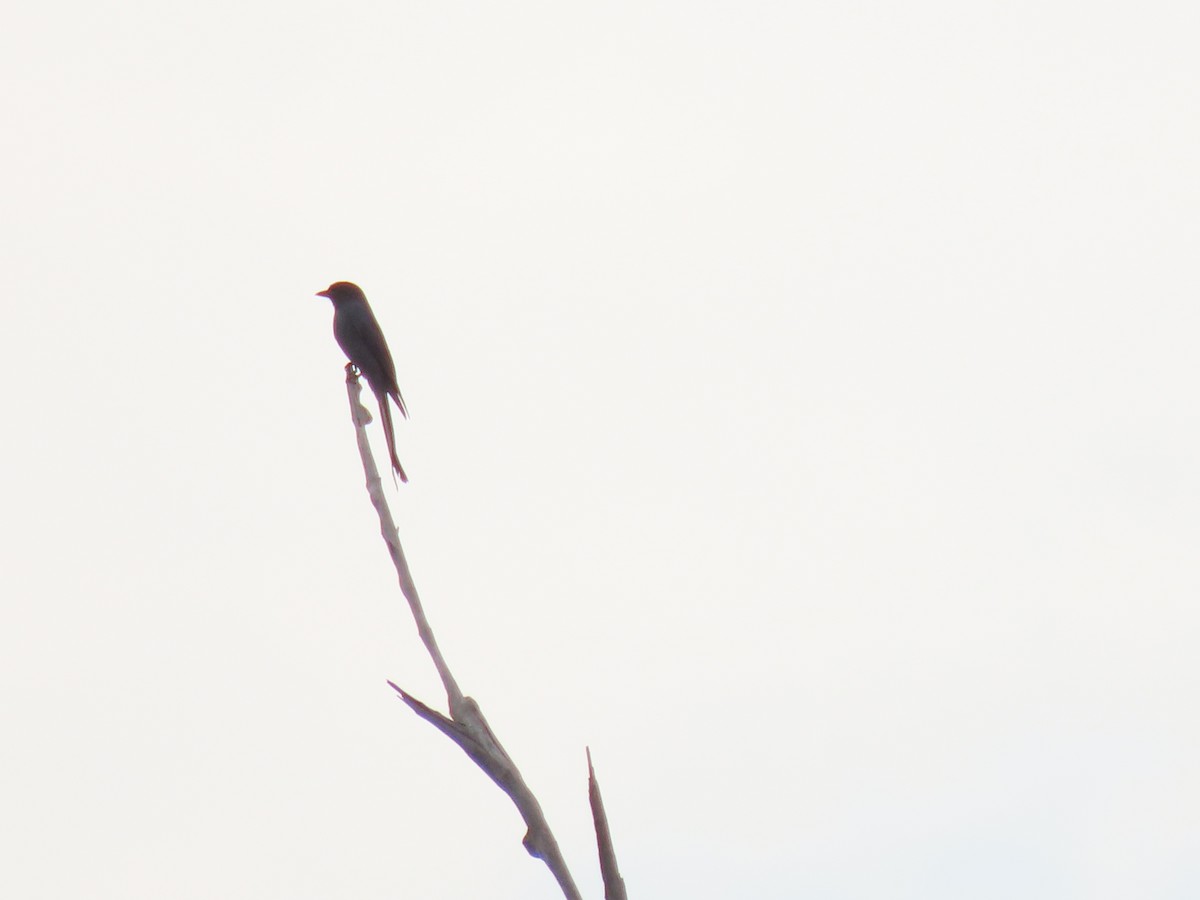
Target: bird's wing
x,y
399,398
363,340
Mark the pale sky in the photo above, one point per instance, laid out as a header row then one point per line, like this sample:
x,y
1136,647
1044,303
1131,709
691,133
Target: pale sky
x,y
804,417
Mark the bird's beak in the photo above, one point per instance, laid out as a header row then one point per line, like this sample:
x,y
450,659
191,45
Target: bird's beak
x,y
324,293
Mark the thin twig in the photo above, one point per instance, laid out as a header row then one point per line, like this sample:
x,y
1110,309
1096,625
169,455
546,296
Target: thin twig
x,y
614,884
466,725
387,527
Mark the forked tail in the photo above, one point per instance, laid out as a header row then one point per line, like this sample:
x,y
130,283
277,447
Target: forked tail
x,y
385,415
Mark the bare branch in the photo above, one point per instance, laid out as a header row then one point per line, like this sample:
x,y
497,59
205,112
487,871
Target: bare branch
x,y
387,527
466,725
614,884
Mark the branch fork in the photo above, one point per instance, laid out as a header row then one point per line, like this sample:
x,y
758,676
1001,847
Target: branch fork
x,y
466,725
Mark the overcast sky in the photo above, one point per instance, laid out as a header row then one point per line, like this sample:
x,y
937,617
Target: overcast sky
x,y
804,417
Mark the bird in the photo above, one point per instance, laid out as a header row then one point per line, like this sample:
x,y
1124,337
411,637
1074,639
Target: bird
x,y
358,334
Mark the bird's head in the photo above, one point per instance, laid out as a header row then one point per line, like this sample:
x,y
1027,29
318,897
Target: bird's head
x,y
342,292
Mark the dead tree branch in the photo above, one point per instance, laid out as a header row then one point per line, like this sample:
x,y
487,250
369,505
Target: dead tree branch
x,y
466,725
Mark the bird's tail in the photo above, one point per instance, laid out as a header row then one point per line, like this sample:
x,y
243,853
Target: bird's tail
x,y
385,416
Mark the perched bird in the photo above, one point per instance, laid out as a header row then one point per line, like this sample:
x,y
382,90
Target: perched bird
x,y
361,339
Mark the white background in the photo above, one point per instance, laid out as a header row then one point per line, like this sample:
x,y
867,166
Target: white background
x,y
803,416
